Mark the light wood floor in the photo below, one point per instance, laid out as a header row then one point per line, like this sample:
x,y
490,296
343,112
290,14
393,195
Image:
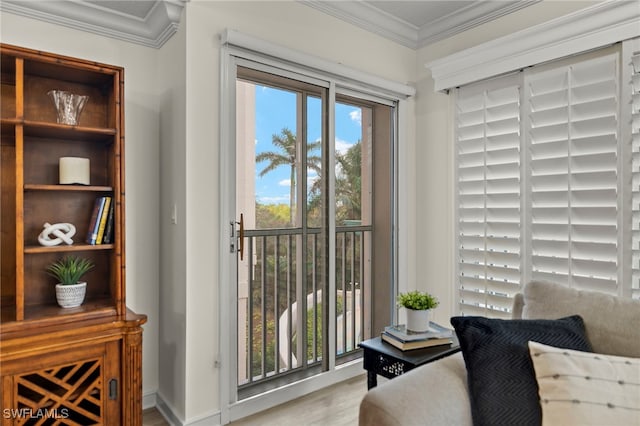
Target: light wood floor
x,y
336,405
152,417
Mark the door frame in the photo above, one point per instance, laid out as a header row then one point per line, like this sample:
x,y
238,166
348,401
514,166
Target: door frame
x,y
232,408
226,360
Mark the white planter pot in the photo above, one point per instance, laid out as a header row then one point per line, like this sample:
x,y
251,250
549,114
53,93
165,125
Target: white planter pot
x,y
71,296
418,320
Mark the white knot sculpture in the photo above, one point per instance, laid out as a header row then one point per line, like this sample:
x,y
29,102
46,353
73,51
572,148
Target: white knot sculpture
x,y
63,232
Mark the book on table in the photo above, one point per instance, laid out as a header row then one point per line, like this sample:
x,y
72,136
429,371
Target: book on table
x,y
435,331
403,339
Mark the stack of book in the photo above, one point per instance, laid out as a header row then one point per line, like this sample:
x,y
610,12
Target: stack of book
x,y
101,222
403,339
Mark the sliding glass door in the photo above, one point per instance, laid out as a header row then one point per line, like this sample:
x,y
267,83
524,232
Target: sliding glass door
x,y
313,225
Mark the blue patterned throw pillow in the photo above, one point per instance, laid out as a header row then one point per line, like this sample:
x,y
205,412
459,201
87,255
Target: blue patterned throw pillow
x,y
501,379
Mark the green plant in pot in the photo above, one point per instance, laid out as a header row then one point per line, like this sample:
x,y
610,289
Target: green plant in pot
x,y
70,291
418,305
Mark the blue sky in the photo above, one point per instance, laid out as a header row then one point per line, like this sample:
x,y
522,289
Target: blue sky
x,y
276,109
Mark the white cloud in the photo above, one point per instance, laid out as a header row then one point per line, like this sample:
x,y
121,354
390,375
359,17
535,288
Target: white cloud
x,y
285,182
356,115
343,146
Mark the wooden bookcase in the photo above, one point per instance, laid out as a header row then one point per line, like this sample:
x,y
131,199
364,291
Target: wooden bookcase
x,y
42,343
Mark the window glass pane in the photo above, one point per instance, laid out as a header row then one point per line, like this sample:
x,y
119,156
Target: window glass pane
x,y
276,157
315,178
353,164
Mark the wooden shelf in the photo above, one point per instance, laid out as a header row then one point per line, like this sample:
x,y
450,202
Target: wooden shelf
x,y
66,248
45,315
37,128
98,307
42,128
39,187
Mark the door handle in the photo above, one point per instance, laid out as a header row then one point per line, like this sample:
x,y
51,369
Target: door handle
x,y
239,240
241,237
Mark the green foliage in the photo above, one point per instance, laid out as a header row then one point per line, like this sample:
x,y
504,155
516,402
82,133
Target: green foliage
x,y
270,346
417,300
69,269
272,216
349,184
310,333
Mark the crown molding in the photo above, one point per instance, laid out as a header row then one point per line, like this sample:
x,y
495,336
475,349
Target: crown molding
x,y
590,28
370,18
477,13
159,24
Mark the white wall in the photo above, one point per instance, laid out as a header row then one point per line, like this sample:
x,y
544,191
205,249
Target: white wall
x,y
141,157
435,200
173,236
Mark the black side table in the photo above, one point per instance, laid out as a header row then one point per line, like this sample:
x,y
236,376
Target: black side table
x,y
388,361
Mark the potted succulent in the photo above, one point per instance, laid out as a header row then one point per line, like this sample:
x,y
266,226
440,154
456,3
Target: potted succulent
x,y
70,291
418,305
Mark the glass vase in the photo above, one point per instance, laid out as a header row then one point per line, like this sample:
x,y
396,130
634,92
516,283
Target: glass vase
x,y
68,105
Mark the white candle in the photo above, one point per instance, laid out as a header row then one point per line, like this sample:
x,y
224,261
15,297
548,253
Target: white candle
x,y
74,170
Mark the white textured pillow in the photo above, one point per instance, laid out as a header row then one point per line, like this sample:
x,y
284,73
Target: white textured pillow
x,y
583,388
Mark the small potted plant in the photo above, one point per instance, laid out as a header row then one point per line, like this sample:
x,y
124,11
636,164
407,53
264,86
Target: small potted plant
x,y
70,291
419,305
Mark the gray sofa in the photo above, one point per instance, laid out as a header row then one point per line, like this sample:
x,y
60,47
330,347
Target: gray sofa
x,y
436,393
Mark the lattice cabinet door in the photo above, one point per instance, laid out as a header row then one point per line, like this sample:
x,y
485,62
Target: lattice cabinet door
x,y
79,387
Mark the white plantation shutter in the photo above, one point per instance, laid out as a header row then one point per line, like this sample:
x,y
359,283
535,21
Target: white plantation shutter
x,y
545,186
635,148
572,130
488,181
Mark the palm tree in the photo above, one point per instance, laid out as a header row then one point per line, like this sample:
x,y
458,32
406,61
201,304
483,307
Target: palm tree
x,y
349,183
287,142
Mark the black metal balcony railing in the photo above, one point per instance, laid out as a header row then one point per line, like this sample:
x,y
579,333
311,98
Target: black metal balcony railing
x,y
280,314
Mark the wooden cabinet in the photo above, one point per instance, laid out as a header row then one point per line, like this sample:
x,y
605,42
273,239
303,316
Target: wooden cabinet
x,y
43,343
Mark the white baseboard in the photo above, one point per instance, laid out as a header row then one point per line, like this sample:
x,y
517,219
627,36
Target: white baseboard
x,y
167,412
149,400
213,419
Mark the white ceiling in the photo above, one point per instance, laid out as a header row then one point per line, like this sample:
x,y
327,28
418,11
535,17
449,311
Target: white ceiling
x,y
137,8
414,23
